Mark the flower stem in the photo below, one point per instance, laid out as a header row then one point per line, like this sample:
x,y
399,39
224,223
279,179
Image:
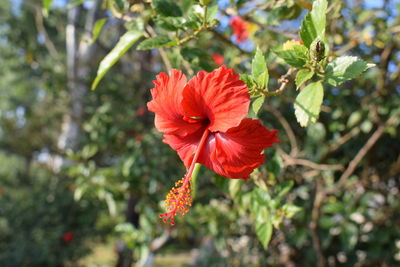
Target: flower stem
x,y
194,178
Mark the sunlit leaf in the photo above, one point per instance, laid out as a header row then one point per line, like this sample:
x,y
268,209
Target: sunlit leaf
x,y
46,6
345,68
302,76
125,42
264,231
156,42
283,188
314,23
308,103
259,69
291,57
97,28
211,13
257,104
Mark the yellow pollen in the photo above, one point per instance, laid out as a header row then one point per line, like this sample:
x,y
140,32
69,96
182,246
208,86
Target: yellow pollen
x,y
178,200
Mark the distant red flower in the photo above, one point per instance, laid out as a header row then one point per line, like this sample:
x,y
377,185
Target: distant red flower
x,y
203,120
240,29
218,59
68,237
140,111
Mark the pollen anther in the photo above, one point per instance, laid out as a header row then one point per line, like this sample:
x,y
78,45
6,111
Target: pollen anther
x,y
178,200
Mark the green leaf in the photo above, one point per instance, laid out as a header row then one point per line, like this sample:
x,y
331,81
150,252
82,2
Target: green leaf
x,y
46,6
257,104
308,33
284,188
97,28
186,5
301,51
274,166
235,189
259,208
195,174
354,119
261,197
290,210
248,80
308,103
314,23
264,231
211,13
345,68
318,15
167,8
259,69
124,43
302,76
156,42
292,57
171,23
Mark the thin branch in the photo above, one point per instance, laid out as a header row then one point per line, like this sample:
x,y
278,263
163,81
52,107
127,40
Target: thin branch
x,y
289,160
163,54
284,81
355,131
362,152
228,42
42,30
285,124
187,66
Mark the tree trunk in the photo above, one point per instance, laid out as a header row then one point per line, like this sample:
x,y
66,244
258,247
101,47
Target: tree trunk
x,y
78,58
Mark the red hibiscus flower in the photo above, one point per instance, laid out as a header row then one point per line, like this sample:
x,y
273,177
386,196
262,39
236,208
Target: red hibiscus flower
x,y
218,59
203,120
240,29
68,237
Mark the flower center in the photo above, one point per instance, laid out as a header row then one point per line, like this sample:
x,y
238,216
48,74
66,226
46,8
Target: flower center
x,y
179,199
193,119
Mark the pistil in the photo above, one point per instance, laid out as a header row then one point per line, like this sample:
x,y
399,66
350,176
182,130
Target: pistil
x,y
179,199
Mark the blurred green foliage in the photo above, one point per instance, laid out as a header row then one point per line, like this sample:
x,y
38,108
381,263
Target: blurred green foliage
x,y
295,210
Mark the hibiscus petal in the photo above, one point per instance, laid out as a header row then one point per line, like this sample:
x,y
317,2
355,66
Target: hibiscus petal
x,y
238,151
167,97
219,96
185,145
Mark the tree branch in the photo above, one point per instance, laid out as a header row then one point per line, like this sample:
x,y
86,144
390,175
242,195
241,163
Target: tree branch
x,y
362,152
42,30
228,42
289,160
284,81
285,124
163,55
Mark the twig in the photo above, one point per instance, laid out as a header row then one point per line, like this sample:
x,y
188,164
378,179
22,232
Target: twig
x,y
284,81
289,160
361,153
285,124
187,66
355,131
41,29
163,55
120,15
229,42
